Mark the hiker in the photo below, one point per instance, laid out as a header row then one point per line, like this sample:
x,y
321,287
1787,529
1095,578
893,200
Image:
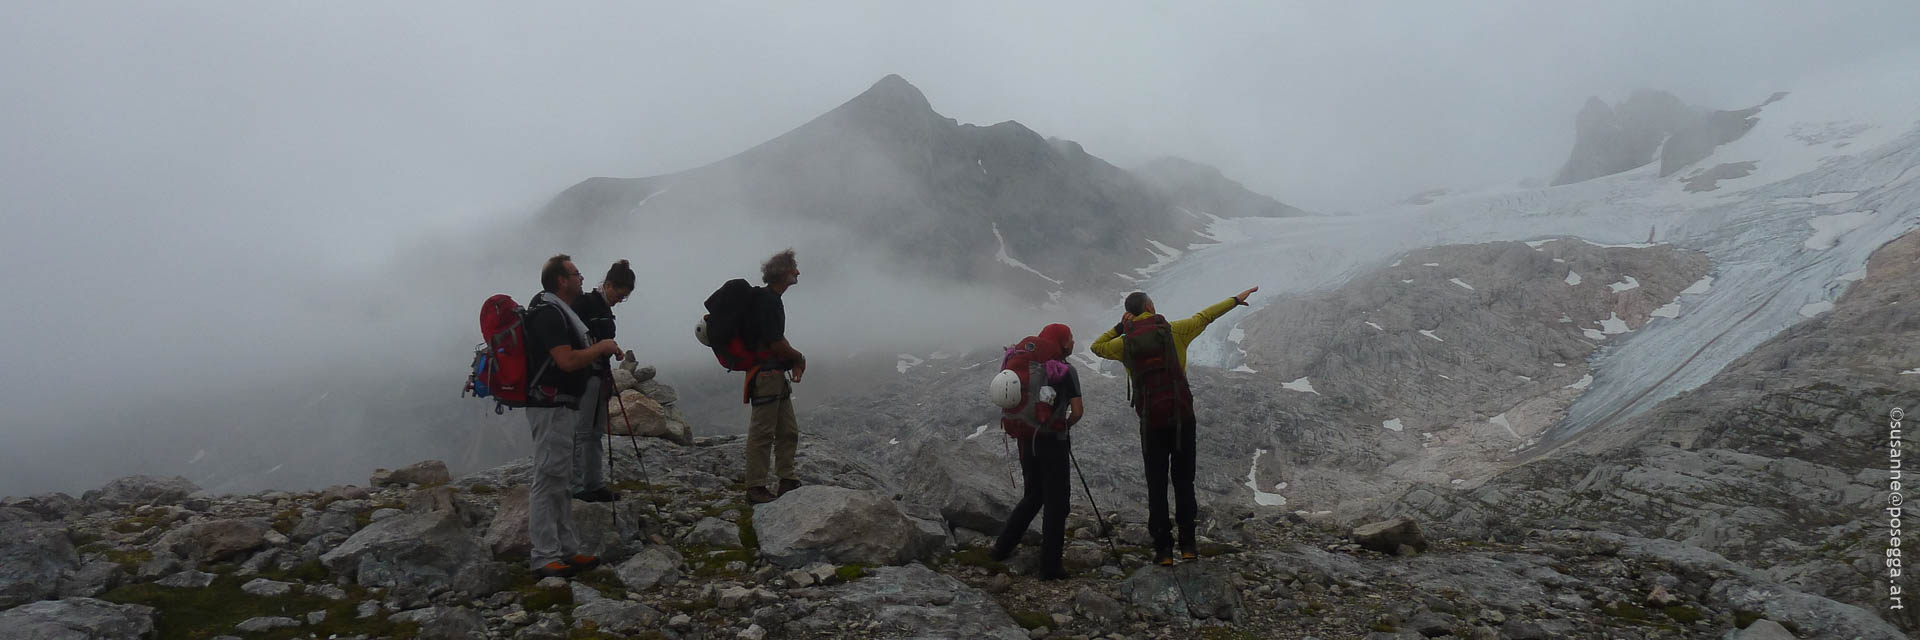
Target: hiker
x,y
561,354
595,308
1154,352
1045,454
772,428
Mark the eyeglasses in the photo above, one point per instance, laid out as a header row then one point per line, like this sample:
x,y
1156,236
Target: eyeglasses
x,y
575,274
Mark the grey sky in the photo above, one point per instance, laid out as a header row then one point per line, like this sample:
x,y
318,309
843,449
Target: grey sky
x,y
172,176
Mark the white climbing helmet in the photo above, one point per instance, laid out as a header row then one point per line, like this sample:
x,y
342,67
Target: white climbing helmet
x,y
1005,390
700,331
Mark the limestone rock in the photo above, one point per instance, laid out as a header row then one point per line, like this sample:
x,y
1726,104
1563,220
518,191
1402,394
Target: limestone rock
x,y
817,523
77,619
507,535
414,555
33,556
609,615
655,565
139,490
1389,535
217,540
915,597
423,472
716,533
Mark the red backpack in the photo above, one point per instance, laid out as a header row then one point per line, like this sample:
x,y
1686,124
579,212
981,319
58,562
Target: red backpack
x,y
1028,359
500,363
1157,383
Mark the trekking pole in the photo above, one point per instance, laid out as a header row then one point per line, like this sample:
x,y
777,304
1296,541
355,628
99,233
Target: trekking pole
x,y
1105,530
652,501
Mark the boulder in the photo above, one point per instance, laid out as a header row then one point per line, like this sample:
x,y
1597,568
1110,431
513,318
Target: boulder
x,y
322,523
139,490
660,393
1388,536
33,556
645,417
932,604
1191,590
267,588
444,623
716,533
216,540
265,623
78,619
594,611
606,530
423,472
1763,629
1096,606
507,535
92,579
189,579
818,523
656,565
48,506
959,478
414,555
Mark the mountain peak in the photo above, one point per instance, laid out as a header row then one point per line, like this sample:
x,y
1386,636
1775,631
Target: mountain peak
x,y
893,94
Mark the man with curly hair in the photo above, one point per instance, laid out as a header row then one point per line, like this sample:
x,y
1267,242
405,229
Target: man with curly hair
x,y
772,429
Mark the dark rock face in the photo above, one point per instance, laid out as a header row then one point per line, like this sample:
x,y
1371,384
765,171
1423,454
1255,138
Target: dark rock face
x,y
932,192
1609,140
1200,188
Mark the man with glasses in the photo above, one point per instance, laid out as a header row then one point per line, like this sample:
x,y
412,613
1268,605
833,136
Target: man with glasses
x,y
561,355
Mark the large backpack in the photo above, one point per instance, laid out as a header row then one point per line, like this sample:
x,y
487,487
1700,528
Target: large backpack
x,y
1157,383
732,329
1026,361
500,363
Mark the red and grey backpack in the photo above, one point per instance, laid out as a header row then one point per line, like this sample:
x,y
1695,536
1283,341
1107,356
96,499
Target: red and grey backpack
x,y
1023,410
1157,383
500,363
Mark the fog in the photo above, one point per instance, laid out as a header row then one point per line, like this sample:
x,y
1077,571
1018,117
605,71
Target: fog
x,y
208,206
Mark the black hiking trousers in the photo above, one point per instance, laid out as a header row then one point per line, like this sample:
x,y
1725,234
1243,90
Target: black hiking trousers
x,y
1169,449
1045,462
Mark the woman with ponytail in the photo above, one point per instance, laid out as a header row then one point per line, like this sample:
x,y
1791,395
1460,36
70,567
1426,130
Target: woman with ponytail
x,y
595,308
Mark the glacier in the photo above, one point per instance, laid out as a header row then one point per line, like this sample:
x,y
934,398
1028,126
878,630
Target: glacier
x,y
1837,175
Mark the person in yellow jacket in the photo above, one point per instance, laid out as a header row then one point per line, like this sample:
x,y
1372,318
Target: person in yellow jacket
x,y
1166,439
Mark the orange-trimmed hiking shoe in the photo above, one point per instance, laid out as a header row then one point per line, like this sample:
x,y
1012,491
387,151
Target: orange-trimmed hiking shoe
x,y
556,568
583,562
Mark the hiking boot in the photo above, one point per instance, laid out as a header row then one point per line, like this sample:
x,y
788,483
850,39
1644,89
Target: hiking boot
x,y
759,495
583,562
556,568
788,484
601,494
1163,557
1000,554
1189,553
1055,573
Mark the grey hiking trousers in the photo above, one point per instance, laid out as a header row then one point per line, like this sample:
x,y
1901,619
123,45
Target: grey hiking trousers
x,y
549,504
589,454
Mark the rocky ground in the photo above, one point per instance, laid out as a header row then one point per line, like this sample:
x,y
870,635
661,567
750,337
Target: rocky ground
x,y
422,555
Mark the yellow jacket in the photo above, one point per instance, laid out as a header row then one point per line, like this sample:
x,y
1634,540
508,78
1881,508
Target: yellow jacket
x,y
1184,331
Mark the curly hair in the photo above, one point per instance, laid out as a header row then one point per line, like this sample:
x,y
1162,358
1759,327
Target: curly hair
x,y
777,268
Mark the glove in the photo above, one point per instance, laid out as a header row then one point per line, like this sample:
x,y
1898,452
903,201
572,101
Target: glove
x,y
1047,394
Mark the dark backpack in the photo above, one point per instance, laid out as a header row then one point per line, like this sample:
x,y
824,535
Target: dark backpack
x,y
1157,383
1028,360
732,326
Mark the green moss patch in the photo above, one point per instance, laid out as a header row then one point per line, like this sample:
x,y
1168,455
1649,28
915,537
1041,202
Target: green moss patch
x,y
1030,619
186,614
